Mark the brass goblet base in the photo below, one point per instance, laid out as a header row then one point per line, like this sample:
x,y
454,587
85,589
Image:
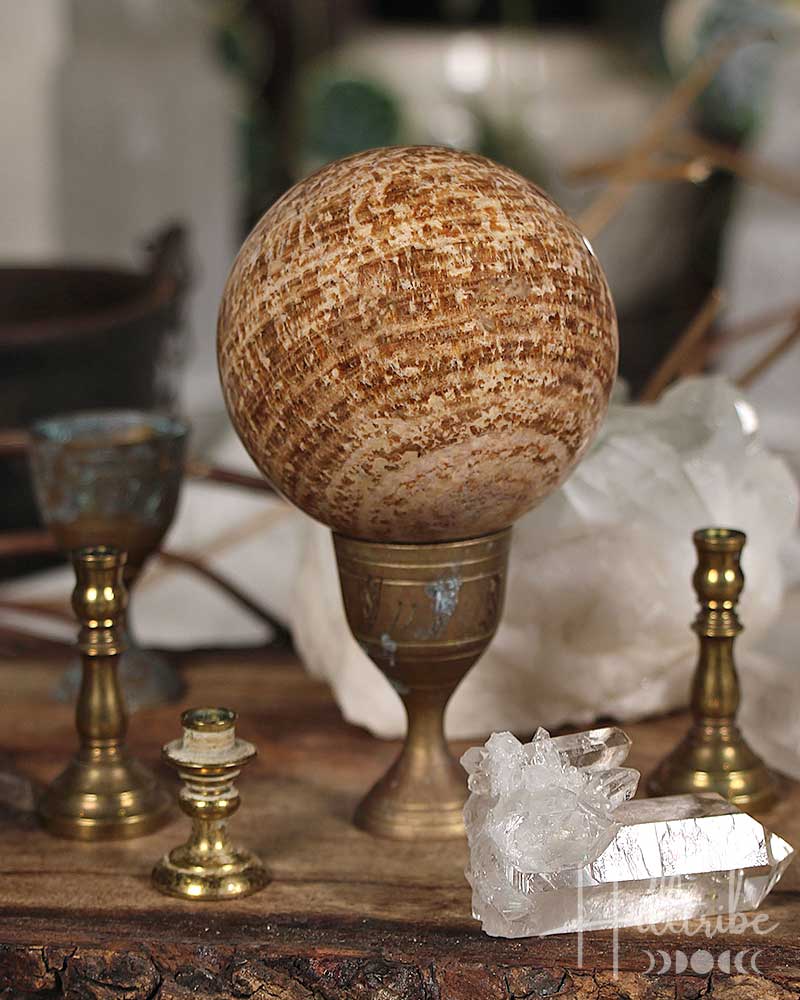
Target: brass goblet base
x,y
187,874
103,795
421,796
424,613
716,758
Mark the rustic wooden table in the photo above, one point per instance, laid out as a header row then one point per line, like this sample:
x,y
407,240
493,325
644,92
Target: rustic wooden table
x,y
345,915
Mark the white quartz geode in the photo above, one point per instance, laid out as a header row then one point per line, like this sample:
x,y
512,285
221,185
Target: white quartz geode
x,y
555,846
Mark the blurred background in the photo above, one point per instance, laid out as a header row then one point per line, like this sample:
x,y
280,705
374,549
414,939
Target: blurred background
x,y
143,138
141,141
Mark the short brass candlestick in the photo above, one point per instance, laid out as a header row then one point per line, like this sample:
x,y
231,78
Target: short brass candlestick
x,y
714,756
424,614
208,759
103,793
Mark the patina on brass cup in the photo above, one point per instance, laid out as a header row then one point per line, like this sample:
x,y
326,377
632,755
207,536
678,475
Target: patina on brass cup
x,y
713,756
103,793
424,614
113,477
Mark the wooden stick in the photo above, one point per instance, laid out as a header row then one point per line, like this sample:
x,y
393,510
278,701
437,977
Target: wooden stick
x,y
31,608
15,642
282,634
600,212
18,543
212,473
684,350
770,357
692,171
699,158
14,442
760,324
749,169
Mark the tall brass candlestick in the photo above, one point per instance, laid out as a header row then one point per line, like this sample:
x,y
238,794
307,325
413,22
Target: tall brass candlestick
x,y
714,757
103,793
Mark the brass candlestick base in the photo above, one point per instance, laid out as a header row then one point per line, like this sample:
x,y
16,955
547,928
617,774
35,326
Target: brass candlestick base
x,y
714,756
208,758
424,614
103,793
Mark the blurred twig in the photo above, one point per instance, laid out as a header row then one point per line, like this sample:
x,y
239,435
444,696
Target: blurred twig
x,y
32,608
23,543
685,349
201,470
15,642
196,565
771,356
722,157
758,324
699,157
692,171
13,442
606,205
19,543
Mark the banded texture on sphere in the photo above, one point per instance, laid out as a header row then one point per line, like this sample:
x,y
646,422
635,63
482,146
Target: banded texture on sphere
x,y
416,344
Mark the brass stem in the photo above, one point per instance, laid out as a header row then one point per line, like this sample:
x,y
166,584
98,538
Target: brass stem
x,y
425,736
715,687
425,761
100,716
210,835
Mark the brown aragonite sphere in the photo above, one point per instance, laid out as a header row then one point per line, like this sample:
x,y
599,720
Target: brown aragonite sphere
x,y
416,344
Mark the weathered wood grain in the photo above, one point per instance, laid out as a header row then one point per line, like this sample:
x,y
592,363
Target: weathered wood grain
x,y
347,916
416,344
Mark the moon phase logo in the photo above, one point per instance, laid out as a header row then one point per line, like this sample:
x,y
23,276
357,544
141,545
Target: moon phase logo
x,y
702,962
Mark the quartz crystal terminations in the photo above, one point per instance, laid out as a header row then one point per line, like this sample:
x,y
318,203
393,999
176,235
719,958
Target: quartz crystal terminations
x,y
555,846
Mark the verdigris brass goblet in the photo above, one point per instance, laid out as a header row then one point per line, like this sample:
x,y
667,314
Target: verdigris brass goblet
x,y
416,347
113,478
424,614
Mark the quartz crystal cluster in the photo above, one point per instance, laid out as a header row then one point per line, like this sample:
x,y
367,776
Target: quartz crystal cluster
x,y
555,846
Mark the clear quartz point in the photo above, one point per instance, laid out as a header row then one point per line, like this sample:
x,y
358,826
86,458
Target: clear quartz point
x,y
555,846
595,748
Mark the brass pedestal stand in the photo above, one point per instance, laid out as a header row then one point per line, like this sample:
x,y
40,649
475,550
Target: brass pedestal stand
x,y
424,614
714,756
103,793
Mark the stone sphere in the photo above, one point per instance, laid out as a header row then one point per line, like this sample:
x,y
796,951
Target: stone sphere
x,y
416,344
